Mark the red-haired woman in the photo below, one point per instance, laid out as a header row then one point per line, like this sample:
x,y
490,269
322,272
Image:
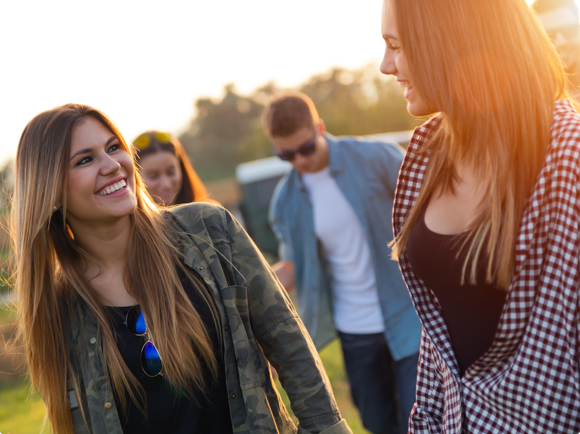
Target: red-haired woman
x,y
487,216
166,170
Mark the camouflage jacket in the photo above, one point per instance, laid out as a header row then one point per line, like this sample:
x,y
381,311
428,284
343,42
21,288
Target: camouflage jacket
x,y
259,325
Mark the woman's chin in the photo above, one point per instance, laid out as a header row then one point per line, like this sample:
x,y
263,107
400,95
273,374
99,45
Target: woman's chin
x,y
419,109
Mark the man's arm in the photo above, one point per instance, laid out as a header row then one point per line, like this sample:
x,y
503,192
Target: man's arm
x,y
285,272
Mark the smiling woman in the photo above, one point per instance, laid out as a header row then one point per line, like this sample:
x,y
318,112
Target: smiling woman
x,y
166,170
101,179
486,218
99,268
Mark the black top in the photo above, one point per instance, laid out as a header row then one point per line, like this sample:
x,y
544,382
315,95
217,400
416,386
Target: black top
x,y
471,312
166,411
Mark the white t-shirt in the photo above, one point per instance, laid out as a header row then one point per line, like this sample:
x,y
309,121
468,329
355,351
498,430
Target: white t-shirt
x,y
356,301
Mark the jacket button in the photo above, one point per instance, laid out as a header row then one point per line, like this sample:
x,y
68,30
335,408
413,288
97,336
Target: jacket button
x,y
108,405
93,340
233,395
227,328
200,268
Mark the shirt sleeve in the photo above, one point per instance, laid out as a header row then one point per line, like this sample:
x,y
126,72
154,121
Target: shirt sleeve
x,y
427,411
278,225
283,338
387,161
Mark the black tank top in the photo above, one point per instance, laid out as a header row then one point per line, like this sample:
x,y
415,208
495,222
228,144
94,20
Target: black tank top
x,y
167,412
471,312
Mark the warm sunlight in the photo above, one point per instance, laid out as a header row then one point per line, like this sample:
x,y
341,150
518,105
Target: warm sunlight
x,y
145,63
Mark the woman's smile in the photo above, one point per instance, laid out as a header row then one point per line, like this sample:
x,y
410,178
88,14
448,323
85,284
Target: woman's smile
x,y
114,188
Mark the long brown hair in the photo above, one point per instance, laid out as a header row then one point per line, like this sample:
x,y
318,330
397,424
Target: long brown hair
x,y
192,188
491,70
49,278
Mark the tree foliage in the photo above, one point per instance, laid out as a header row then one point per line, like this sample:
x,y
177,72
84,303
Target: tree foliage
x,y
228,132
6,185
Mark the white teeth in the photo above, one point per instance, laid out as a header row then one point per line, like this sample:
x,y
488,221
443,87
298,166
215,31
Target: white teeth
x,y
113,188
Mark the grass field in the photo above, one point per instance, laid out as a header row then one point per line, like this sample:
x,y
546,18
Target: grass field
x,y
21,413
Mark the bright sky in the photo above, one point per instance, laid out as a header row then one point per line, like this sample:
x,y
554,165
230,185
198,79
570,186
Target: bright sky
x,y
145,62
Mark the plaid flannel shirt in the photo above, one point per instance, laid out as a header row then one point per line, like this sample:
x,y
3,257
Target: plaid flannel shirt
x,y
528,380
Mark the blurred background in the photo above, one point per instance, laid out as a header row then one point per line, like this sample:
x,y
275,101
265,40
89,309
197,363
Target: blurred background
x,y
202,71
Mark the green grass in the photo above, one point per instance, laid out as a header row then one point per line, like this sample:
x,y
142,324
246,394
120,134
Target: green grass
x,y
20,413
333,363
4,254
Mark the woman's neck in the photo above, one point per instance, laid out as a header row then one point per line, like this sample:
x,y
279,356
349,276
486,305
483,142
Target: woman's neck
x,y
106,243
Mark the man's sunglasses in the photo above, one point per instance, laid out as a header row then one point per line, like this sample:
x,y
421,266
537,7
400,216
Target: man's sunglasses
x,y
150,359
568,32
306,149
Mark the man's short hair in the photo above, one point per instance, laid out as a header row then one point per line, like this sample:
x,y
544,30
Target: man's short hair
x,y
287,113
543,6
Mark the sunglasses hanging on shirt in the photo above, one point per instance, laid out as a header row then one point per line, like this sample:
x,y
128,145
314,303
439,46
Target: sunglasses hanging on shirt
x,y
150,358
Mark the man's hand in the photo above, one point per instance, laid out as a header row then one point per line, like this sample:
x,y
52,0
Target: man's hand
x,y
285,272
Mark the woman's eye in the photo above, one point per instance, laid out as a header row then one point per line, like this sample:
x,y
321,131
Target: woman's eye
x,y
84,160
114,147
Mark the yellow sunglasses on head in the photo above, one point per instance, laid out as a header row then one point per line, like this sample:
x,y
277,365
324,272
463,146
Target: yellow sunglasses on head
x,y
144,140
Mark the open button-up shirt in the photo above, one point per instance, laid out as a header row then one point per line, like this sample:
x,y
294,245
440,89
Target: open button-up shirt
x,y
528,381
366,173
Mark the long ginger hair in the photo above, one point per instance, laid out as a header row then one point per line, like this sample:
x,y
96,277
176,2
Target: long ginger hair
x,y
492,72
49,278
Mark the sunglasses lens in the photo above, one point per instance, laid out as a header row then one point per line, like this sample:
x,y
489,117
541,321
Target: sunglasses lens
x,y
308,150
287,157
142,141
150,360
136,321
163,137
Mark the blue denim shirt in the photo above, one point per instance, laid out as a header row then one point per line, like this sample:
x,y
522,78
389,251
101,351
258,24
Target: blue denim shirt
x,y
366,173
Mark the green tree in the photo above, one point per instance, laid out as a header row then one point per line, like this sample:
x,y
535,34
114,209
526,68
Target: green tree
x,y
217,137
6,184
228,132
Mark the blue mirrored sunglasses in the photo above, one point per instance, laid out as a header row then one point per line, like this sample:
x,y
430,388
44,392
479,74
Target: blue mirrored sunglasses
x,y
150,358
306,149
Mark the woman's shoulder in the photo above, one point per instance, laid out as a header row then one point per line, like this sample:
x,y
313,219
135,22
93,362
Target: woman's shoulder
x,y
565,135
198,215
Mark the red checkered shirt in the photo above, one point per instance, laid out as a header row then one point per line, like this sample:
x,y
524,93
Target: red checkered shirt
x,y
528,380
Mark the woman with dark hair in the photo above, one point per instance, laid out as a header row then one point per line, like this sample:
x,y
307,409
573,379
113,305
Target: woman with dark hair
x,y
487,216
166,170
140,320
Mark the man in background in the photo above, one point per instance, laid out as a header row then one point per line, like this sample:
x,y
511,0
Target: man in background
x,y
332,217
560,19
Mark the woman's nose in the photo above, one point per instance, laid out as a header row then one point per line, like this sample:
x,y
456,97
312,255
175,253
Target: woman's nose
x,y
110,165
387,66
164,182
